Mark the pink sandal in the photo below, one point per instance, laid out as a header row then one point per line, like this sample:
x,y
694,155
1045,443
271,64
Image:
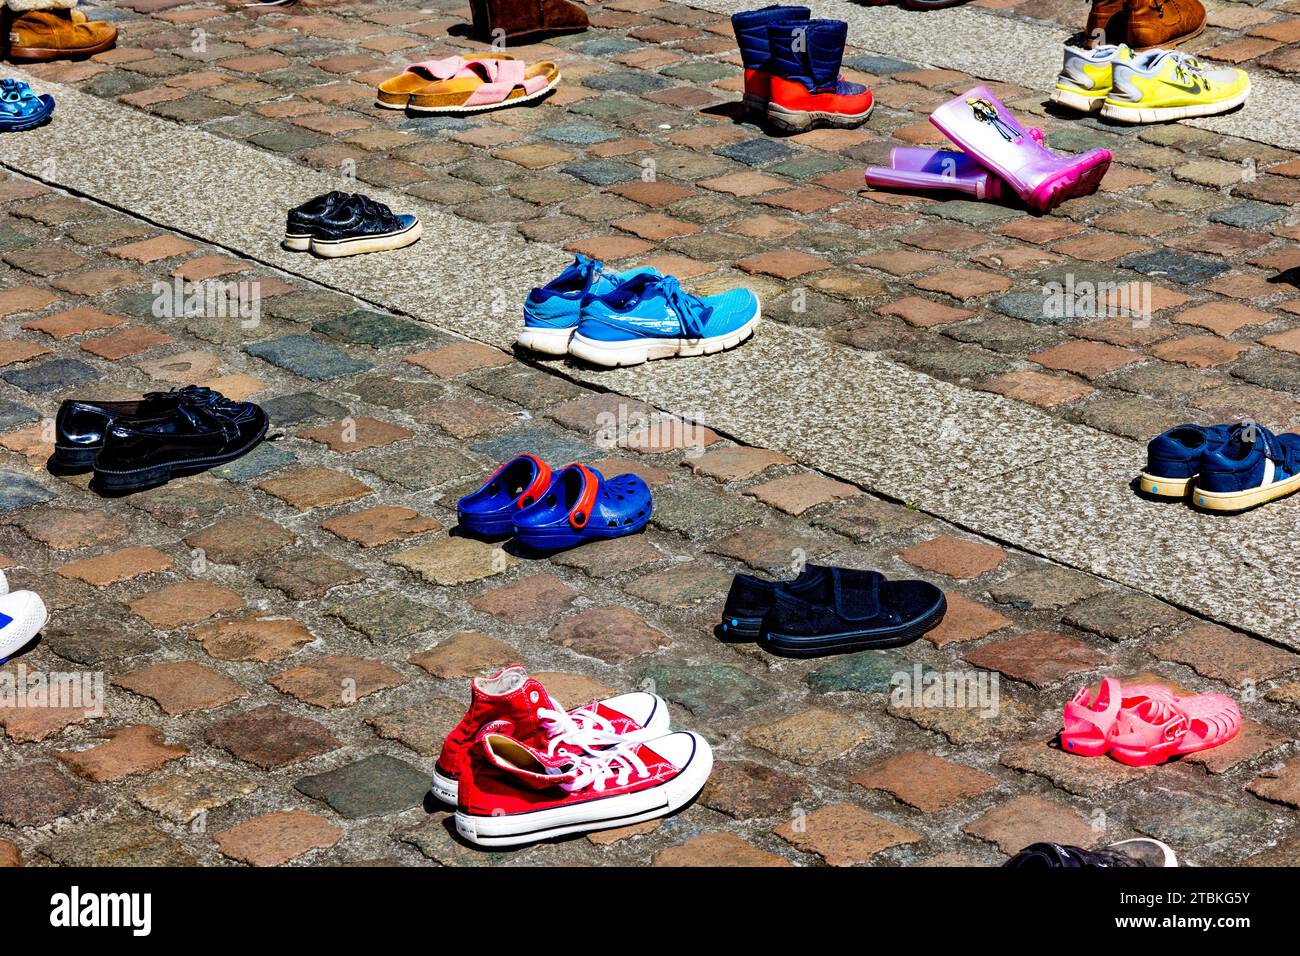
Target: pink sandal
x,y
1090,723
395,93
1156,730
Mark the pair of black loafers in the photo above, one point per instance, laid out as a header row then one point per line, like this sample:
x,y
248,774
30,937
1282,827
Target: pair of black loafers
x,y
829,611
340,224
140,444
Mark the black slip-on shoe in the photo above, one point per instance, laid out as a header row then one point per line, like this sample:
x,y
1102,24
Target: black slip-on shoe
x,y
195,436
303,220
80,426
750,598
848,610
363,225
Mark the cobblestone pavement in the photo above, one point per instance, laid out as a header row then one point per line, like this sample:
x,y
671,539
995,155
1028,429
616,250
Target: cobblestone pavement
x,y
286,641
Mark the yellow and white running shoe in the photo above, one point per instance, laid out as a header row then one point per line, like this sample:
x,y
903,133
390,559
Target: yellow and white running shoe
x,y
1085,78
1163,85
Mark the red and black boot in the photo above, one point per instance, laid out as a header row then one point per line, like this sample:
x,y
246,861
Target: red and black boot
x,y
806,89
750,27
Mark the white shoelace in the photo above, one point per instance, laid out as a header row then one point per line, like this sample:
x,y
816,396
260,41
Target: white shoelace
x,y
604,753
594,769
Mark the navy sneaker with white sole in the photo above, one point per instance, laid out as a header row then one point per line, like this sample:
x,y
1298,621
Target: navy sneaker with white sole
x,y
361,225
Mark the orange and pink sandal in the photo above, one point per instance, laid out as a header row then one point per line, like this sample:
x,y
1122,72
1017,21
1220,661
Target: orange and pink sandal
x,y
1090,723
1156,730
487,85
395,93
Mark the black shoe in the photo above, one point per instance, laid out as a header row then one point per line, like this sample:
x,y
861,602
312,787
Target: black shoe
x,y
750,598
201,432
362,225
1126,853
305,218
841,609
80,427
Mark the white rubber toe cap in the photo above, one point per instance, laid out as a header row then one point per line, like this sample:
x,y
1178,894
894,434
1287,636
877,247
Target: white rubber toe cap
x,y
26,616
648,710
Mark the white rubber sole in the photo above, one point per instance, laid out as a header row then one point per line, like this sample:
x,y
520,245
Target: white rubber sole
x,y
28,615
1170,857
637,351
598,814
1164,487
337,248
1077,101
1133,115
799,120
447,789
486,107
1241,500
297,243
545,340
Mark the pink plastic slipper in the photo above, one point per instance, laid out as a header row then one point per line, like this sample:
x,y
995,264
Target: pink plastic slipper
x,y
1090,723
1157,729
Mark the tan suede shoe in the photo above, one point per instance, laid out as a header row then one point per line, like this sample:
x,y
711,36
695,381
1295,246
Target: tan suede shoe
x,y
56,34
1163,23
1107,23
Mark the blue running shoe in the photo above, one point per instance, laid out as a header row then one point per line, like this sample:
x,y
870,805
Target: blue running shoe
x,y
649,318
1174,458
551,313
22,615
1253,468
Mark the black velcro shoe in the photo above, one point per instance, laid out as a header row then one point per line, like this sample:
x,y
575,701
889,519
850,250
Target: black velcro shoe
x,y
750,598
1141,852
848,610
304,219
80,426
201,432
363,225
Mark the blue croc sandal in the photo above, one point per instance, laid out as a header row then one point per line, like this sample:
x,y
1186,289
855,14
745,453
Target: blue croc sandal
x,y
20,108
490,512
582,505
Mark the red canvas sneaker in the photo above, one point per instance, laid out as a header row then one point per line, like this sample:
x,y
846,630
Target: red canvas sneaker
x,y
511,793
510,702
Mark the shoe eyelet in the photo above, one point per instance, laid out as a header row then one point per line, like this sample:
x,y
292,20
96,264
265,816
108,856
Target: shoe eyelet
x,y
534,697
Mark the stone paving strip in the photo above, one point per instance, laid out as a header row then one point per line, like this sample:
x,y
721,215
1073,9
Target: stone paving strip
x,y
226,611
284,642
952,451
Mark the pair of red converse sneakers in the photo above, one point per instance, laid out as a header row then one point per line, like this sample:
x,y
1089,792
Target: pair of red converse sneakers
x,y
520,768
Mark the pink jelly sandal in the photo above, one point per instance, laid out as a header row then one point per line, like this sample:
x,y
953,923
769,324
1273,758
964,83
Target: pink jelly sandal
x,y
395,93
1090,723
490,84
1156,730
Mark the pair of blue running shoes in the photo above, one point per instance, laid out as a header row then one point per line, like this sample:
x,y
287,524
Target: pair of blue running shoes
x,y
626,318
21,109
1222,467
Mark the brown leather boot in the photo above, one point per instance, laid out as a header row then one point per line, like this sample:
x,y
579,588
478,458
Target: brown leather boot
x,y
1107,23
525,18
1163,23
56,34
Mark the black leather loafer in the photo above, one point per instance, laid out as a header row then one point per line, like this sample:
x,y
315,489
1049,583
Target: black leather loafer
x,y
363,225
80,427
199,433
304,219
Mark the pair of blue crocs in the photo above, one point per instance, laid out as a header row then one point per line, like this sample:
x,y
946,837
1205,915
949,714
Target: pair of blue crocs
x,y
20,108
1222,467
626,318
550,511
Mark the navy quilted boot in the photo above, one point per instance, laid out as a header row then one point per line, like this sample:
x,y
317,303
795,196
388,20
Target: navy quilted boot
x,y
750,27
806,89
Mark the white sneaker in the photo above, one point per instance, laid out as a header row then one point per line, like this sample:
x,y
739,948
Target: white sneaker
x,y
22,615
4,584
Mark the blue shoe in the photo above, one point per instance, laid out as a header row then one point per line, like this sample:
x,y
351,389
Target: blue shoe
x,y
1174,458
490,512
551,313
20,108
582,505
650,318
22,615
1253,468
750,27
